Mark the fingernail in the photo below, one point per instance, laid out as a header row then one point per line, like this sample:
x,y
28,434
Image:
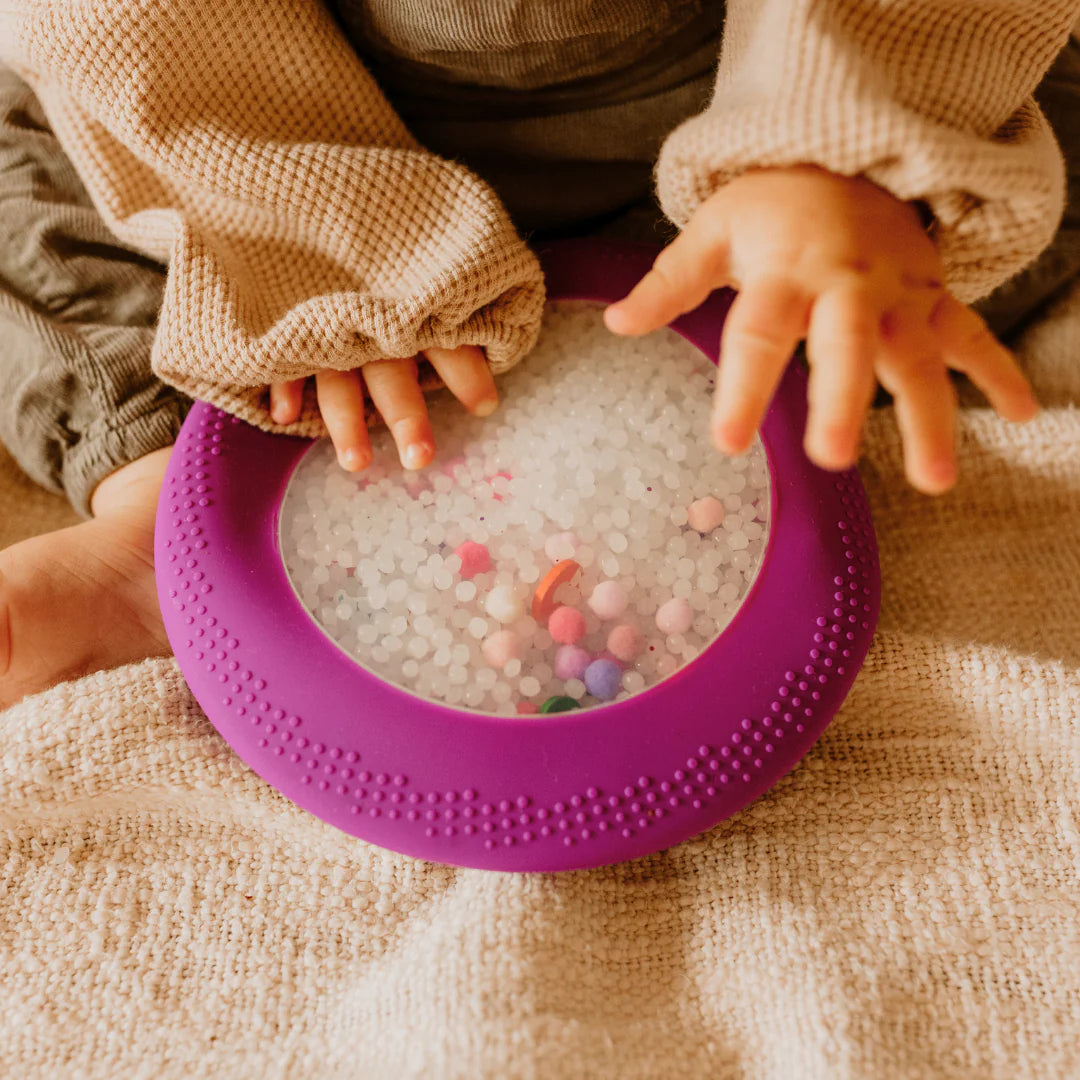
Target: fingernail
x,y
354,460
938,477
414,455
486,407
612,311
944,472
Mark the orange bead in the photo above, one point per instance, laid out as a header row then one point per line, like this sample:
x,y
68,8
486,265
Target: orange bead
x,y
543,601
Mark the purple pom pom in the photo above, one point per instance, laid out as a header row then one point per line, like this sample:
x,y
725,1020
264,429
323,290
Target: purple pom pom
x,y
603,679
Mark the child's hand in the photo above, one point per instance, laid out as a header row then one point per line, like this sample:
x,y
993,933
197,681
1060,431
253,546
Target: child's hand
x,y
843,263
395,392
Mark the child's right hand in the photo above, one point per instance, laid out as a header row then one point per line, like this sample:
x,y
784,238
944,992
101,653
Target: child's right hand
x,y
395,392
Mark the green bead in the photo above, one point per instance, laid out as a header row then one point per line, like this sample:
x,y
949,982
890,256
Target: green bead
x,y
558,704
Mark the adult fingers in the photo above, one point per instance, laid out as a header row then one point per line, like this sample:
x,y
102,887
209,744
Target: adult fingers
x,y
684,273
341,403
286,399
841,345
912,369
968,346
762,329
396,394
467,376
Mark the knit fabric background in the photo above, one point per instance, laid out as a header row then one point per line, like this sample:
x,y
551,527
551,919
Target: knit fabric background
x,y
905,904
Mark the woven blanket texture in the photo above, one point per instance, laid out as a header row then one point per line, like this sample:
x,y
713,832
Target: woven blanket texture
x,y
904,904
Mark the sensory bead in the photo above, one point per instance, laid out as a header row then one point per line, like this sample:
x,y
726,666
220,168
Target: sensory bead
x,y
675,617
609,600
705,514
500,648
559,703
566,625
603,678
571,662
474,557
625,641
543,602
504,604
561,546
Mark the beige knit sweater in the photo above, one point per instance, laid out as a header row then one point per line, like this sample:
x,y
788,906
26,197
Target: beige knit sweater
x,y
305,228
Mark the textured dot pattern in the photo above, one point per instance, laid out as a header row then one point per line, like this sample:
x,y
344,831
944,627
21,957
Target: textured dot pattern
x,y
691,784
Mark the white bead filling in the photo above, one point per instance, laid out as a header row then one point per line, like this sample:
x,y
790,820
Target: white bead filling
x,y
598,448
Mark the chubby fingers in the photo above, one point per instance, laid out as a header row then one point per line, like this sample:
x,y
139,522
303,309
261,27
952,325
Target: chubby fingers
x,y
684,273
765,324
286,399
911,367
467,376
396,393
968,346
841,346
341,403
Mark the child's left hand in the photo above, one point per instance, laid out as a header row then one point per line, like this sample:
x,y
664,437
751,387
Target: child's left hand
x,y
395,392
843,263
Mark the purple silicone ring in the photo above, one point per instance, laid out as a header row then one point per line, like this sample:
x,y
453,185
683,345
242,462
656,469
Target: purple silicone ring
x,y
556,792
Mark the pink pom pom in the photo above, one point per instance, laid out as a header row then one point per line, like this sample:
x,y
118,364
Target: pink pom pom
x,y
706,514
571,662
474,559
499,649
566,625
625,642
675,617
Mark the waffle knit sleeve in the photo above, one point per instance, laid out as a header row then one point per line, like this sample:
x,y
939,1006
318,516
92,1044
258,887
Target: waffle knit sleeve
x,y
304,228
930,99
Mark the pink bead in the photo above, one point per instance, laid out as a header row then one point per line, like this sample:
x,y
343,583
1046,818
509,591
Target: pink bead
x,y
675,617
474,559
571,662
499,649
496,497
526,708
609,600
566,625
625,642
705,514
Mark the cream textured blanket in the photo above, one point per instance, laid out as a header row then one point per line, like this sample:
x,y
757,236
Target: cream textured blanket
x,y
905,904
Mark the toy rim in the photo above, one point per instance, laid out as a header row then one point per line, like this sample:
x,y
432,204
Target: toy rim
x,y
555,792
